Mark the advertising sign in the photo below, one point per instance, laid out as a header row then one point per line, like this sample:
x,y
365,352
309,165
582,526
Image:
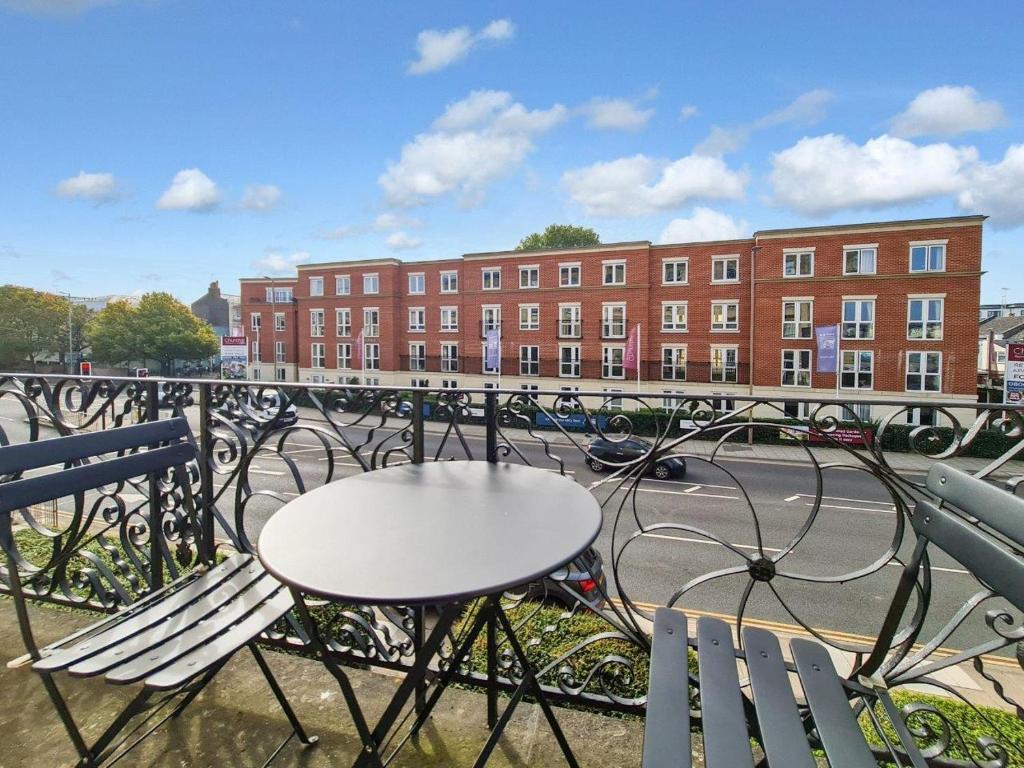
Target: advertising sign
x,y
234,357
573,421
828,340
492,349
1013,378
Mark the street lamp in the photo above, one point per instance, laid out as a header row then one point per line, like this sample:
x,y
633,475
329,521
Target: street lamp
x,y
71,362
273,321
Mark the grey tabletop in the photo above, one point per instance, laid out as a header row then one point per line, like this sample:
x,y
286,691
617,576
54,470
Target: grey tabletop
x,y
429,533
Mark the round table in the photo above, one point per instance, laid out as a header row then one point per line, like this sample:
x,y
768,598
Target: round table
x,y
429,533
438,533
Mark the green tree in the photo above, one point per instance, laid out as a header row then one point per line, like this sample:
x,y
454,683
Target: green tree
x,y
559,236
34,325
160,328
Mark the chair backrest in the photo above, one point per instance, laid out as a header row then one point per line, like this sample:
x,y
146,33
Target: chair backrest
x,y
166,443
994,561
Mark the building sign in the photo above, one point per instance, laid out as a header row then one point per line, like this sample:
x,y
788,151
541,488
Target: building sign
x,y
828,341
1013,378
234,357
573,421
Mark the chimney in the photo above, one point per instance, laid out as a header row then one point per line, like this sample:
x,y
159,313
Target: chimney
x,y
215,289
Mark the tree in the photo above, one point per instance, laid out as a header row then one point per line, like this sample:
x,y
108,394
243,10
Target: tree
x,y
559,236
34,325
160,328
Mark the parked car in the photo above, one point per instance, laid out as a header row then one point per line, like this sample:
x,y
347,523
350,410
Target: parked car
x,y
611,454
257,413
585,576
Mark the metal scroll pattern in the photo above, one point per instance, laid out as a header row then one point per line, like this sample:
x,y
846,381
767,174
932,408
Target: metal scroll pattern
x,y
747,555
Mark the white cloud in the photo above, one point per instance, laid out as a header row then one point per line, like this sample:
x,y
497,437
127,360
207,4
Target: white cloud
x,y
438,49
616,114
688,111
947,111
400,241
279,262
99,187
806,109
639,185
705,224
828,173
389,221
474,142
260,197
191,190
995,189
337,233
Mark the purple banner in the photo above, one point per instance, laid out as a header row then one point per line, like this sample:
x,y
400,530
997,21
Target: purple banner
x,y
828,341
492,348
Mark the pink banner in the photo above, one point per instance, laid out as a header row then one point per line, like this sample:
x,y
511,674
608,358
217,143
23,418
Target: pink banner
x,y
632,359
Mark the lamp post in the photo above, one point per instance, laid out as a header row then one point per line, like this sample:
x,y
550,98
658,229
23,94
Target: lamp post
x,y
71,362
273,320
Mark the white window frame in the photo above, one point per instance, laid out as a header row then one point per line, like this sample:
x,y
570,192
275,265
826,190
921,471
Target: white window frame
x,y
924,322
674,326
675,352
726,326
529,271
797,368
256,356
417,319
371,329
568,269
794,254
856,368
371,361
255,321
927,245
421,279
724,377
798,324
344,355
450,361
317,281
451,324
279,352
673,264
608,309
317,352
417,356
858,302
529,365
279,326
575,321
924,353
343,321
490,278
449,383
724,260
860,250
574,363
342,285
317,323
613,265
608,364
613,399
371,283
494,310
529,317
450,281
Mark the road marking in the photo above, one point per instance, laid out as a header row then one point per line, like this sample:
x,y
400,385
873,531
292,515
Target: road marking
x,y
793,498
691,490
853,509
839,498
264,472
684,493
707,541
678,482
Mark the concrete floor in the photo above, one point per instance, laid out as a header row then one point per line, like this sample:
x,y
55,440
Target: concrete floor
x,y
236,722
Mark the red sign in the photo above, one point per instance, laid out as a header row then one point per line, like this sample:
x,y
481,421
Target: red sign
x,y
1015,353
85,368
843,435
142,373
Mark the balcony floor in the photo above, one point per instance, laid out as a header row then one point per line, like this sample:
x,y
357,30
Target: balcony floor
x,y
236,722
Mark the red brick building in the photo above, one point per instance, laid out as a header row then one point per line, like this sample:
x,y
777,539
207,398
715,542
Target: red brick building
x,y
716,318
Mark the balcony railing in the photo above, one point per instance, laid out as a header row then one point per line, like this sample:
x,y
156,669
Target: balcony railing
x,y
722,542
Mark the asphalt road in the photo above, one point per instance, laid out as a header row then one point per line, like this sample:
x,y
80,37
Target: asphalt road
x,y
855,526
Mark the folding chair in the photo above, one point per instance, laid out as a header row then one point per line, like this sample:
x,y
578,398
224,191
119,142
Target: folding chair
x,y
176,638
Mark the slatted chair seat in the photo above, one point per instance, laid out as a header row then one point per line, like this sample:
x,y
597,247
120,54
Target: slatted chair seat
x,y
176,638
768,709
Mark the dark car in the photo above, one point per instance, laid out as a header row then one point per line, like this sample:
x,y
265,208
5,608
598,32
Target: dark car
x,y
584,576
257,413
611,454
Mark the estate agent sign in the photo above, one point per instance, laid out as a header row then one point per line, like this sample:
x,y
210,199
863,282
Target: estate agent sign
x,y
1013,378
234,357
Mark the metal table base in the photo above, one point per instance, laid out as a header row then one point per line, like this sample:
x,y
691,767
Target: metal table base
x,y
490,615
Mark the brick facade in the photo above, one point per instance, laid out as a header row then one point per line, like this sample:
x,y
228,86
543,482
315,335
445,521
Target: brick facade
x,y
710,337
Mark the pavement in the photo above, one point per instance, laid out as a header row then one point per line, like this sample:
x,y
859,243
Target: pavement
x,y
236,722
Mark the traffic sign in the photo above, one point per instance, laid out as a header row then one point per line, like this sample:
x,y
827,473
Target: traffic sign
x,y
85,368
142,373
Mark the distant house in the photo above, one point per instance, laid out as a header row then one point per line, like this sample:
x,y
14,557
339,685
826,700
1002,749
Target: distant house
x,y
988,311
222,311
994,334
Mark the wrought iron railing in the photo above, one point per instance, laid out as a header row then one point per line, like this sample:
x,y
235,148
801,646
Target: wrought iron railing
x,y
735,547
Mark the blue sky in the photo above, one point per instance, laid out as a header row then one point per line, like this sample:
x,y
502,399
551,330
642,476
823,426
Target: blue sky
x,y
162,144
